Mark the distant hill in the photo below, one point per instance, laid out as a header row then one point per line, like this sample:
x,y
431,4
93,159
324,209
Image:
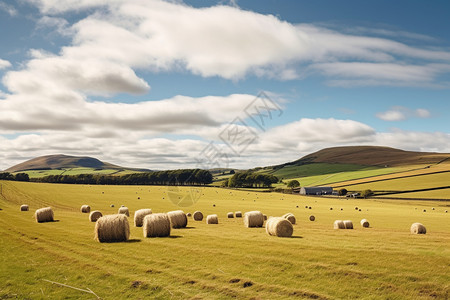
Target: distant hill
x,y
370,156
61,161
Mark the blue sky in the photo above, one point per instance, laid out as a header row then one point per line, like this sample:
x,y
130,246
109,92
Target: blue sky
x,y
156,84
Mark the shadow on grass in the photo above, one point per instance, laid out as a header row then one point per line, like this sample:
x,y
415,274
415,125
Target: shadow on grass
x,y
133,241
187,227
296,237
175,236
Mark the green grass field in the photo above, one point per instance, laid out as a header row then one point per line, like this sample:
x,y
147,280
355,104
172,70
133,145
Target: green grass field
x,y
76,171
226,260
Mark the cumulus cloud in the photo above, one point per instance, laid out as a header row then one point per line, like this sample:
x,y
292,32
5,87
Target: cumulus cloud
x,y
4,64
400,113
157,35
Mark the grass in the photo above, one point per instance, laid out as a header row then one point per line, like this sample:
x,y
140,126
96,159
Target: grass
x,y
225,260
406,184
76,171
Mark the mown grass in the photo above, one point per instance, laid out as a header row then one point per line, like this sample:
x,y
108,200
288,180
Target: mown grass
x,y
225,260
406,184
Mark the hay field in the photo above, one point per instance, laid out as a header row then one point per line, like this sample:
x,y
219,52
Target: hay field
x,y
221,261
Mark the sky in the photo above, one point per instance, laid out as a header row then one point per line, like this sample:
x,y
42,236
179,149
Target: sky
x,y
185,84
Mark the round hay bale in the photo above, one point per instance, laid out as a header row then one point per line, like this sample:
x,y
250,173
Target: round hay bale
x,y
85,209
112,205
230,215
360,209
188,215
424,210
253,219
279,226
348,224
214,205
24,207
312,218
265,217
44,215
290,217
356,207
310,207
342,208
365,223
178,219
432,208
331,208
446,211
418,228
339,224
124,210
139,216
212,219
112,228
238,214
306,206
198,216
95,215
156,225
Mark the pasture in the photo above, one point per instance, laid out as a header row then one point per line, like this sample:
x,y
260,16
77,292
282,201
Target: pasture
x,y
225,260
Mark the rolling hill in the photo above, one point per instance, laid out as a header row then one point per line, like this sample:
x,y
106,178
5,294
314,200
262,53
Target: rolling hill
x,y
61,161
371,156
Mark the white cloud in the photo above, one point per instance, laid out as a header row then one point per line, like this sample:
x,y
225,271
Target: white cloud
x,y
156,35
422,113
4,64
400,113
391,115
8,9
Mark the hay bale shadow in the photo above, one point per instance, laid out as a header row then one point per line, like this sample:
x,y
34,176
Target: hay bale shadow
x,y
134,241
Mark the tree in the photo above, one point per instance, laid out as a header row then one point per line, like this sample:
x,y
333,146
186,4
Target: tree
x,y
232,172
366,193
342,192
22,177
293,184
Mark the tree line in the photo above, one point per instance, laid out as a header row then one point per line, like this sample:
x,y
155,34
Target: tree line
x,y
249,180
14,177
172,177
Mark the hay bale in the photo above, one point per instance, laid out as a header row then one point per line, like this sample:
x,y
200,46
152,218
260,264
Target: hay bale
x,y
253,219
24,207
279,226
124,210
265,217
156,225
424,210
356,207
348,224
331,208
178,219
112,228
212,219
85,209
418,228
312,218
432,208
310,207
230,215
44,215
139,216
112,205
198,216
446,211
188,215
95,215
290,217
365,223
339,224
238,214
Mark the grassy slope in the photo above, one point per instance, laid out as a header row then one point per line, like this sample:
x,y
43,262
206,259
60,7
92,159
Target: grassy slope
x,y
202,261
77,171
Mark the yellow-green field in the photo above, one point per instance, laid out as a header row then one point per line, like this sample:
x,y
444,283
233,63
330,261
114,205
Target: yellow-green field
x,y
225,260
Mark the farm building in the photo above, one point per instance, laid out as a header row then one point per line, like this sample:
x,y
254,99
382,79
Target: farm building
x,y
317,190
